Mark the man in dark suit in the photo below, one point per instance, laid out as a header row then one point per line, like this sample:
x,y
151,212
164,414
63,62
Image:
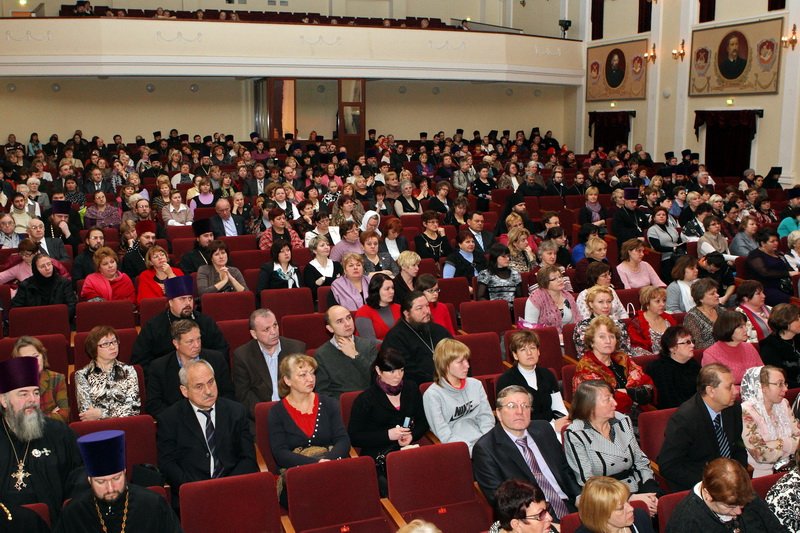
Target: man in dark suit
x,y
96,183
258,183
203,436
224,223
518,448
483,239
692,439
53,247
162,375
732,65
255,364
134,262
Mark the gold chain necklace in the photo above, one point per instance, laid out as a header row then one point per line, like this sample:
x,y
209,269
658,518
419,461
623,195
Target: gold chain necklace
x,y
20,475
124,514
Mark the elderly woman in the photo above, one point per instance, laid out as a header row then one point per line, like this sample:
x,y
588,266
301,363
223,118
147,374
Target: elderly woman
x,y
432,242
723,501
600,274
521,506
376,317
550,304
304,427
45,287
101,213
596,249
599,301
548,404
650,322
219,276
701,318
106,388
406,203
389,414
374,260
604,361
464,263
176,213
744,242
602,442
679,292
452,389
351,289
770,431
497,281
767,264
633,271
151,281
731,348
521,253
782,347
548,256
408,262
107,283
428,285
675,372
713,239
750,295
52,385
605,508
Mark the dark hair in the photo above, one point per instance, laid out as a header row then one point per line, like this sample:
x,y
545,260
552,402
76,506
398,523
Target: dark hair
x,y
319,215
463,235
764,234
669,339
473,213
726,324
496,251
408,301
703,208
684,262
346,226
782,315
275,212
709,376
425,282
710,220
429,215
94,337
701,287
303,204
748,289
554,233
181,327
585,398
586,231
715,259
512,499
547,215
217,244
375,284
389,359
594,271
276,248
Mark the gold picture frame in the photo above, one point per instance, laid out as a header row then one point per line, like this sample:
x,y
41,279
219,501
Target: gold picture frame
x,y
617,71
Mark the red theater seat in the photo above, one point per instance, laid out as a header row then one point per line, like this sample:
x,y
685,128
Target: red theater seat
x,y
140,437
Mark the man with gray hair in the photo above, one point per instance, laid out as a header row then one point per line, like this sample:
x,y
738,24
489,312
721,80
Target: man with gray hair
x,y
8,237
163,374
203,436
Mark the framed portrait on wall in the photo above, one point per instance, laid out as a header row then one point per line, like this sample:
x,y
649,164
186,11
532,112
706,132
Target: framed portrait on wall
x,y
741,59
616,71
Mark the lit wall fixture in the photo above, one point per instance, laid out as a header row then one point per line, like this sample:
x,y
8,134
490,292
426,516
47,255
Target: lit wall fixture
x,y
650,56
680,52
790,40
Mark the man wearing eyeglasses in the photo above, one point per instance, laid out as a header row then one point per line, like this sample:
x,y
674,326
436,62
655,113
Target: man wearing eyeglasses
x,y
518,448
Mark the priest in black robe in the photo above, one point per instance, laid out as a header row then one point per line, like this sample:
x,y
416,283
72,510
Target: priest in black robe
x,y
134,262
113,505
39,459
629,222
198,256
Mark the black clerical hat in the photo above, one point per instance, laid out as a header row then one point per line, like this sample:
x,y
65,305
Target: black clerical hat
x,y
631,193
18,373
178,286
103,452
201,226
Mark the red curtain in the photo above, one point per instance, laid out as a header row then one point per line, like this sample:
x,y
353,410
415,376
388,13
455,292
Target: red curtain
x,y
729,135
597,19
645,15
707,9
610,127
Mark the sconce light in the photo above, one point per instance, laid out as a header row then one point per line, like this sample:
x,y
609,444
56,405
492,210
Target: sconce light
x,y
650,56
729,101
680,52
790,40
613,104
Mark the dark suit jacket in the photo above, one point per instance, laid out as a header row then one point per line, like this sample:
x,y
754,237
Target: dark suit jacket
x,y
183,454
488,240
105,186
251,377
219,229
251,186
690,442
56,249
163,386
495,458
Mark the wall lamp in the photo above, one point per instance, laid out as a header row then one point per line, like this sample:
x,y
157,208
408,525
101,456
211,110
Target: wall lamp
x,y
680,52
650,56
790,40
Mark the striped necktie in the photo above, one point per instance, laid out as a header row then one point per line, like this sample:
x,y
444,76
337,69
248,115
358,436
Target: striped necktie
x,y
722,439
211,441
550,493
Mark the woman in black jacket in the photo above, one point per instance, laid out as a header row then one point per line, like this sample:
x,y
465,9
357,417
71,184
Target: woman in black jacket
x,y
45,287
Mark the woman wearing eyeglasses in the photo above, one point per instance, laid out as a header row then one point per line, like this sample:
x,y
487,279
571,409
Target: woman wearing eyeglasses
x,y
675,372
521,506
770,430
106,388
428,284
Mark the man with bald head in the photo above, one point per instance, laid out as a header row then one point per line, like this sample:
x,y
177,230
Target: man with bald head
x,y
225,223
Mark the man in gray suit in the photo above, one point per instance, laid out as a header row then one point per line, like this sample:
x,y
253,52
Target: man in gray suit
x,y
255,364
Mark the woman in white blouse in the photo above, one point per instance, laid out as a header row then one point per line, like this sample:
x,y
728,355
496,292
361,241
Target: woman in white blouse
x,y
320,271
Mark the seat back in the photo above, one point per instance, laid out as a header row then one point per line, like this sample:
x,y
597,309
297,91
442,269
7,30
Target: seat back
x,y
322,298
140,434
241,242
568,332
39,320
41,509
447,497
318,501
57,351
550,355
667,504
240,503
346,405
492,315
126,339
652,425
228,305
454,291
262,434
284,302
629,297
308,328
249,259
570,523
236,332
115,313
150,307
485,356
762,484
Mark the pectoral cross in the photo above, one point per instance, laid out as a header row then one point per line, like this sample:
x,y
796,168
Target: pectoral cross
x,y
20,476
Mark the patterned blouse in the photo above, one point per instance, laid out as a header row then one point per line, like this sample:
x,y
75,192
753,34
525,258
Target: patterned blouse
x,y
624,344
53,395
498,288
784,500
115,393
700,327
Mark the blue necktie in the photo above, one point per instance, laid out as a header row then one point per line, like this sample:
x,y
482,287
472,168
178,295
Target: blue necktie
x,y
211,441
722,439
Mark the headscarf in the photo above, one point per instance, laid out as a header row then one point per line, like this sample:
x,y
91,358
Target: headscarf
x,y
771,425
365,219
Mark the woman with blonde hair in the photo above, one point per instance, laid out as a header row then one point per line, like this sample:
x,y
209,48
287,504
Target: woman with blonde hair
x,y
408,262
523,258
452,389
151,281
593,212
599,301
52,385
596,249
604,508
